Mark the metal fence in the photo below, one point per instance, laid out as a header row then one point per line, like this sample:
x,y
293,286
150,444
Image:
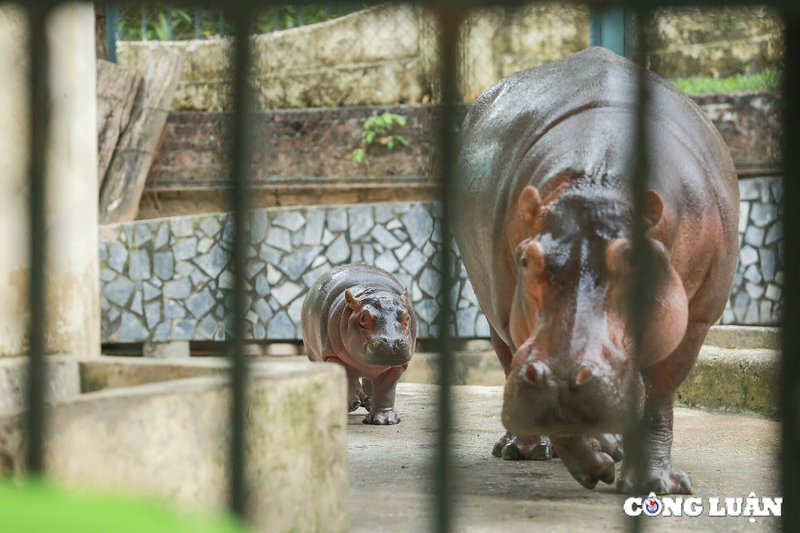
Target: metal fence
x,y
448,16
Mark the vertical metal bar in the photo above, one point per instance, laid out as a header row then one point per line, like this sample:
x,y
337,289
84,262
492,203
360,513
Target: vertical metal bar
x,y
327,11
240,165
112,31
221,23
641,295
170,25
789,402
198,17
144,23
300,7
449,21
276,19
39,127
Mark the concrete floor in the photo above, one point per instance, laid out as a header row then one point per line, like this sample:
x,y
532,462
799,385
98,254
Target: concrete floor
x,y
391,471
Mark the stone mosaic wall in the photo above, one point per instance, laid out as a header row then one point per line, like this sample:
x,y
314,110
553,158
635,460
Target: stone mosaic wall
x,y
171,279
757,287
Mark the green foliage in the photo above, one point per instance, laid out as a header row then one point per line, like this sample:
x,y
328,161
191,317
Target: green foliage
x,y
34,507
767,80
378,130
213,22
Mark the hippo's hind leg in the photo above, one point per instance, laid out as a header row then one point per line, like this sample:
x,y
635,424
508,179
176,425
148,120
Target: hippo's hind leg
x,y
662,380
511,447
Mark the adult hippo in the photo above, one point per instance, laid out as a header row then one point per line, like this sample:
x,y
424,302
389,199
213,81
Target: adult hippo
x,y
543,220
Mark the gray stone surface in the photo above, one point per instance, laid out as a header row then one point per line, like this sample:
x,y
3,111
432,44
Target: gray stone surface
x,y
360,221
280,238
258,226
117,256
419,224
185,249
164,265
338,251
291,220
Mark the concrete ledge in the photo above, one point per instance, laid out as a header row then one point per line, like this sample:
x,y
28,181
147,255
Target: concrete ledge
x,y
62,382
744,337
171,440
737,380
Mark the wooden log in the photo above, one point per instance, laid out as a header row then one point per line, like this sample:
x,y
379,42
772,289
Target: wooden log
x,y
117,88
127,173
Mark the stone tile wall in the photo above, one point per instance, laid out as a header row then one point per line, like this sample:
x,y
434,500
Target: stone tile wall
x,y
758,284
171,279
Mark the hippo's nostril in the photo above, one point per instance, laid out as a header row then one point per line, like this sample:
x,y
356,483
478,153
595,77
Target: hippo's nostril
x,y
582,376
534,374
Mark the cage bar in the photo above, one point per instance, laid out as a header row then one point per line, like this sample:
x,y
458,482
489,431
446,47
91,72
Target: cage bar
x,y
641,292
240,166
39,128
449,21
789,400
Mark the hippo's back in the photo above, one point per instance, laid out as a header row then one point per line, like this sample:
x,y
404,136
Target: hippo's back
x,y
322,295
575,115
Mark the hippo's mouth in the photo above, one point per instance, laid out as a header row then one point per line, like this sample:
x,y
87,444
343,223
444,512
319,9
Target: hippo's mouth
x,y
528,413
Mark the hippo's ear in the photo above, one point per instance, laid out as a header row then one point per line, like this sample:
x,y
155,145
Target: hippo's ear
x,y
404,298
352,301
654,208
529,204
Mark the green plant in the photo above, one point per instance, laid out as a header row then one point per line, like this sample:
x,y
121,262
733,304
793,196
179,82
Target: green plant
x,y
378,130
767,80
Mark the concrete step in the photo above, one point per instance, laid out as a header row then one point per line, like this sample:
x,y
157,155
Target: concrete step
x,y
145,432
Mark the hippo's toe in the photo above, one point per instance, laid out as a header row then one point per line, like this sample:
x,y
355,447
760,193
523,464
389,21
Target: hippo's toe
x,y
667,481
590,459
382,417
513,448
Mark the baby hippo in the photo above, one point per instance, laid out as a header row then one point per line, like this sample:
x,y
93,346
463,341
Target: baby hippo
x,y
359,317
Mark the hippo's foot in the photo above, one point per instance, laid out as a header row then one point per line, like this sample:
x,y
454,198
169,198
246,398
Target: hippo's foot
x,y
513,448
590,459
382,417
358,398
666,480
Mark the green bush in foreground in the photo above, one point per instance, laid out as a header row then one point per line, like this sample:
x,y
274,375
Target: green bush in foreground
x,y
768,80
35,507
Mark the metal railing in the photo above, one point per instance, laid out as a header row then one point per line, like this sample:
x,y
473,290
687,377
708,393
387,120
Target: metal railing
x,y
449,16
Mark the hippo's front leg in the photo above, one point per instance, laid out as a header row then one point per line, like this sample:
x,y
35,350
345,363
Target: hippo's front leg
x,y
383,392
512,447
662,380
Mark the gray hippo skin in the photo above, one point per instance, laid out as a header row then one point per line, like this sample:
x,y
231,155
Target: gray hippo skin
x,y
543,219
359,317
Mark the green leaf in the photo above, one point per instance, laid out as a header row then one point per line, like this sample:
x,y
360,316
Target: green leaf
x,y
358,155
369,137
401,139
390,144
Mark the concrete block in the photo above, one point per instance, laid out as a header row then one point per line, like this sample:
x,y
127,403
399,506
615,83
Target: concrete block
x,y
62,380
167,350
744,337
171,440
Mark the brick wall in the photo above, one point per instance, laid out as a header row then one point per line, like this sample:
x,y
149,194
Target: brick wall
x,y
297,143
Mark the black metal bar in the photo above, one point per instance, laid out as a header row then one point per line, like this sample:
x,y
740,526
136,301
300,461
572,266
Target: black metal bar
x,y
789,402
240,161
39,128
449,21
641,294
170,25
144,22
300,7
198,17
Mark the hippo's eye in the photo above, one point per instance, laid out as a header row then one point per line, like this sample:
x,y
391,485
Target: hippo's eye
x,y
362,321
523,261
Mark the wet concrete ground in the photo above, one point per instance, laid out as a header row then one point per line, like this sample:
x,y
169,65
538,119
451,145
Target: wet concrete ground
x,y
391,472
